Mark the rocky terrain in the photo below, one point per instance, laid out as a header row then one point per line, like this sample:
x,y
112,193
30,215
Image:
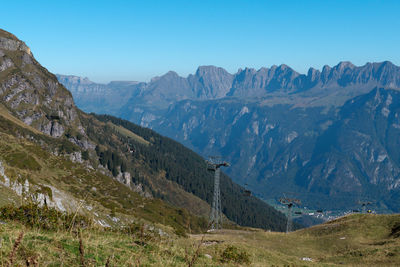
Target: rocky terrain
x,y
329,135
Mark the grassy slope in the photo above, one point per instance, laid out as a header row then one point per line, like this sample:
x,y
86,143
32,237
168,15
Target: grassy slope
x,y
128,133
356,240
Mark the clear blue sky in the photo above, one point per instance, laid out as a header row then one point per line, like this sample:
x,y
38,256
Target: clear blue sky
x,y
136,40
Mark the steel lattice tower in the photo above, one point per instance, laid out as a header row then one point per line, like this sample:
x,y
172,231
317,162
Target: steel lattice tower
x,y
364,205
216,211
289,202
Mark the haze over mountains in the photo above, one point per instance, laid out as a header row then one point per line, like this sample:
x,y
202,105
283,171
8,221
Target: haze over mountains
x,y
330,135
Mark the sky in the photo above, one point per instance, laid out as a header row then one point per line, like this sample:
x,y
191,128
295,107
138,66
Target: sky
x,y
137,40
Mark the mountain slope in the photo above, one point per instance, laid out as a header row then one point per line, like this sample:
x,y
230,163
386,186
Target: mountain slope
x,y
114,150
368,162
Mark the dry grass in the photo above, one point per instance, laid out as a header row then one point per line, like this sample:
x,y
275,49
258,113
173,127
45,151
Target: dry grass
x,y
128,133
17,243
92,248
360,240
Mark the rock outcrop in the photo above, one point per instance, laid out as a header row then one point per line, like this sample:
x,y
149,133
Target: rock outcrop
x,y
31,93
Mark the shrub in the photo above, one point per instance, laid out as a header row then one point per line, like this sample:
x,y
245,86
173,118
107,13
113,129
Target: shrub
x,y
43,217
85,155
22,160
233,254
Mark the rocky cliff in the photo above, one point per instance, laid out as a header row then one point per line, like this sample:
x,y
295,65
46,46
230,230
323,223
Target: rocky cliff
x,y
31,93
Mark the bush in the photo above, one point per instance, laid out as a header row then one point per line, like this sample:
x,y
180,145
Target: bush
x,y
22,160
43,217
85,155
233,254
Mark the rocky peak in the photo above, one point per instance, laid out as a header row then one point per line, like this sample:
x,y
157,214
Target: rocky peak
x,y
170,75
31,93
344,65
9,42
387,73
284,71
210,82
207,70
313,75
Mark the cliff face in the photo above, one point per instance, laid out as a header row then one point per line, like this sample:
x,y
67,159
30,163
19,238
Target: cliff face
x,y
31,93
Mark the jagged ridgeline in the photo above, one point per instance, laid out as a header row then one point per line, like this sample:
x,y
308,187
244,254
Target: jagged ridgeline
x,y
105,167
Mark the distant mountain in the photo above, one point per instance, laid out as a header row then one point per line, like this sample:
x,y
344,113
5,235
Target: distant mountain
x,y
144,102
210,82
95,97
284,131
54,153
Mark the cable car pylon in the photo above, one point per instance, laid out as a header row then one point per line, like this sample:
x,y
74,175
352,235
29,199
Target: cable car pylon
x,y
289,202
214,165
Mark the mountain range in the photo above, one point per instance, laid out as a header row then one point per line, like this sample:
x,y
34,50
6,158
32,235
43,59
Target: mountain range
x,y
330,136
